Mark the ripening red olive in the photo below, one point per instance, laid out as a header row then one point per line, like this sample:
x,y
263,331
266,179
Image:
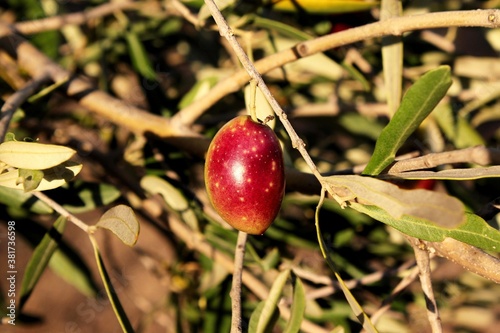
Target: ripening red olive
x,y
244,174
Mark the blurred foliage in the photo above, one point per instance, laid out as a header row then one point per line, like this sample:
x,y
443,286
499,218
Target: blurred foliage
x,y
336,102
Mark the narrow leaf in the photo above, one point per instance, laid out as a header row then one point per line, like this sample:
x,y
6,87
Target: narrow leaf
x,y
173,197
356,308
199,90
392,56
73,270
474,231
122,222
40,258
112,295
298,307
139,56
32,155
417,103
325,250
271,303
450,174
256,314
431,206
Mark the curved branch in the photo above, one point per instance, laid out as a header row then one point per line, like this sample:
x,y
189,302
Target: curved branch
x,y
394,26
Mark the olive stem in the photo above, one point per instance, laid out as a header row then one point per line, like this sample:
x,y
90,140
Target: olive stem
x,y
227,33
62,211
239,256
253,91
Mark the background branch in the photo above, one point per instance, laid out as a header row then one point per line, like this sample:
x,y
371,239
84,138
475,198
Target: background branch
x,y
392,26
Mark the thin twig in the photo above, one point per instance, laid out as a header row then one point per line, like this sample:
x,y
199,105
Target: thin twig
x,y
393,26
423,262
477,155
226,32
235,294
57,22
386,304
62,211
15,100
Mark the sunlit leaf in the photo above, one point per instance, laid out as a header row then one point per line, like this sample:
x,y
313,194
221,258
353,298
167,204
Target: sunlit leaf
x,y
174,198
392,56
298,307
431,206
324,6
32,155
450,174
52,178
417,103
199,90
262,107
261,320
122,222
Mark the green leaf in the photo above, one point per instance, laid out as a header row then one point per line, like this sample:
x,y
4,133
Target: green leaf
x,y
122,222
474,231
139,56
431,206
324,6
254,319
173,197
32,155
200,89
30,179
112,295
456,128
261,320
325,250
72,271
418,102
298,307
19,199
40,258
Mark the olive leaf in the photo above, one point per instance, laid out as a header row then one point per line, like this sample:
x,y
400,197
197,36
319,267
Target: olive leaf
x,y
450,174
32,155
262,318
474,231
122,222
417,103
29,180
434,207
324,7
173,197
